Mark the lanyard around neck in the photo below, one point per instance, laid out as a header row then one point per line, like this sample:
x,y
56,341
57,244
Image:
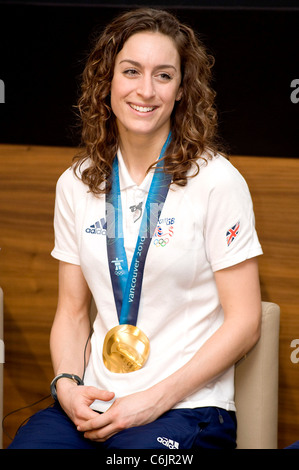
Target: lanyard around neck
x,y
127,283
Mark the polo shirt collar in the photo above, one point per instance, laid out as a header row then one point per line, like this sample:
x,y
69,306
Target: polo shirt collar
x,y
125,179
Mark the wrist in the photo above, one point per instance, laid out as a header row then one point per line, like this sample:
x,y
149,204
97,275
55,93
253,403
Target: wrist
x,y
167,393
61,379
161,398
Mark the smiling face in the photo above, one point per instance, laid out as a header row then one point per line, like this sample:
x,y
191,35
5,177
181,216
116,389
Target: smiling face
x,y
145,85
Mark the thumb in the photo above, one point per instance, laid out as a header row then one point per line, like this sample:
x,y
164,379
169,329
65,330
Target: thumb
x,y
94,393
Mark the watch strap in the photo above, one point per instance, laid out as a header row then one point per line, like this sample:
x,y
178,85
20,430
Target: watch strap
x,y
73,377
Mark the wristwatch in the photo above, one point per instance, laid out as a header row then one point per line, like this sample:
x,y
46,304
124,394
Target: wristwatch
x,y
74,377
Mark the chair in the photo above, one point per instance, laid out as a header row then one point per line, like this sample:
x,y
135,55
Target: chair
x,y
1,364
256,386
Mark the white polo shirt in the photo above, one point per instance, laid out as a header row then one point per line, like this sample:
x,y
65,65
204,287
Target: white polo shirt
x,y
205,226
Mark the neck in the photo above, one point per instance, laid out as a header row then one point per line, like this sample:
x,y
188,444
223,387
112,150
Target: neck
x,y
139,153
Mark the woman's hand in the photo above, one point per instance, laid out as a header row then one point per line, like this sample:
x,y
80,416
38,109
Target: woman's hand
x,y
126,412
76,400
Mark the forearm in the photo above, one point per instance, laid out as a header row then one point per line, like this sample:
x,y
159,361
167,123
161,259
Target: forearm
x,y
67,343
68,346
71,325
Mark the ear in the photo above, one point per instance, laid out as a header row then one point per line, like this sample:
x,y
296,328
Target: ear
x,y
179,94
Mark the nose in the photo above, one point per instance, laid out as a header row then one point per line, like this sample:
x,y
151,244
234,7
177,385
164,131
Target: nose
x,y
146,87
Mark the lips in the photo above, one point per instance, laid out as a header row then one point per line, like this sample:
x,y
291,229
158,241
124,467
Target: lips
x,y
142,109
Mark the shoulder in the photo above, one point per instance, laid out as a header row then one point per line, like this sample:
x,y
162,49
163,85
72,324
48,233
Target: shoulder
x,y
70,186
217,172
71,177
217,184
219,168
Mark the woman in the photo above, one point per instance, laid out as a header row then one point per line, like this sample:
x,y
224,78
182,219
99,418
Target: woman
x,y
178,245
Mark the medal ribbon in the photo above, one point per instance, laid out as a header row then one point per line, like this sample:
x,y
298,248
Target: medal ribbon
x,y
126,283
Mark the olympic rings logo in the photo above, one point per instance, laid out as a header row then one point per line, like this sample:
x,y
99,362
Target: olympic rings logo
x,y
161,242
119,273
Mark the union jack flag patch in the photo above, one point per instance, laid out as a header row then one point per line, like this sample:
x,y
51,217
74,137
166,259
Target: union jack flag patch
x,y
232,233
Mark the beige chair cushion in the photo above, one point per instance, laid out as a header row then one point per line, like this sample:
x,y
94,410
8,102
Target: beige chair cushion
x,y
256,386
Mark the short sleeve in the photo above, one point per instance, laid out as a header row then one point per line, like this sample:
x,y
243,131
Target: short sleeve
x,y
230,232
66,246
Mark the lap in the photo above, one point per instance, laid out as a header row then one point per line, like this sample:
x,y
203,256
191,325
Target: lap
x,y
181,429
177,429
50,429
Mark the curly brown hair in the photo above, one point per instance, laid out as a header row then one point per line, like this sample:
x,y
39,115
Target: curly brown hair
x,y
194,117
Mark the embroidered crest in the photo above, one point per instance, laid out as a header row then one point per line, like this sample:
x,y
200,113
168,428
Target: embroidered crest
x,y
232,233
164,231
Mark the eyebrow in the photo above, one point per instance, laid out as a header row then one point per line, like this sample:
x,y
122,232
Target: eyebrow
x,y
137,64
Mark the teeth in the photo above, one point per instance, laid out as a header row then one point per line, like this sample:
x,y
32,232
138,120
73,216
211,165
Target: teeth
x,y
142,109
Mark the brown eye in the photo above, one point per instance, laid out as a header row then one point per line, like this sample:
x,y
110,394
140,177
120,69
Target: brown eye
x,y
130,72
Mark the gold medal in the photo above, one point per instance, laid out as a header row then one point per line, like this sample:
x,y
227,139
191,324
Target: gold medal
x,y
126,349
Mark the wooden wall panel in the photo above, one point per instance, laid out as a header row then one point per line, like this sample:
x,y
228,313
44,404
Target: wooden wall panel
x,y
28,274
274,185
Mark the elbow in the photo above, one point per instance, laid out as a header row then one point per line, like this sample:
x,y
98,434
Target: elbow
x,y
255,330
256,336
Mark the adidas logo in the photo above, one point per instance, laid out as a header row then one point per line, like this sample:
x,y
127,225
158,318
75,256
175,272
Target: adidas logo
x,y
98,228
168,442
